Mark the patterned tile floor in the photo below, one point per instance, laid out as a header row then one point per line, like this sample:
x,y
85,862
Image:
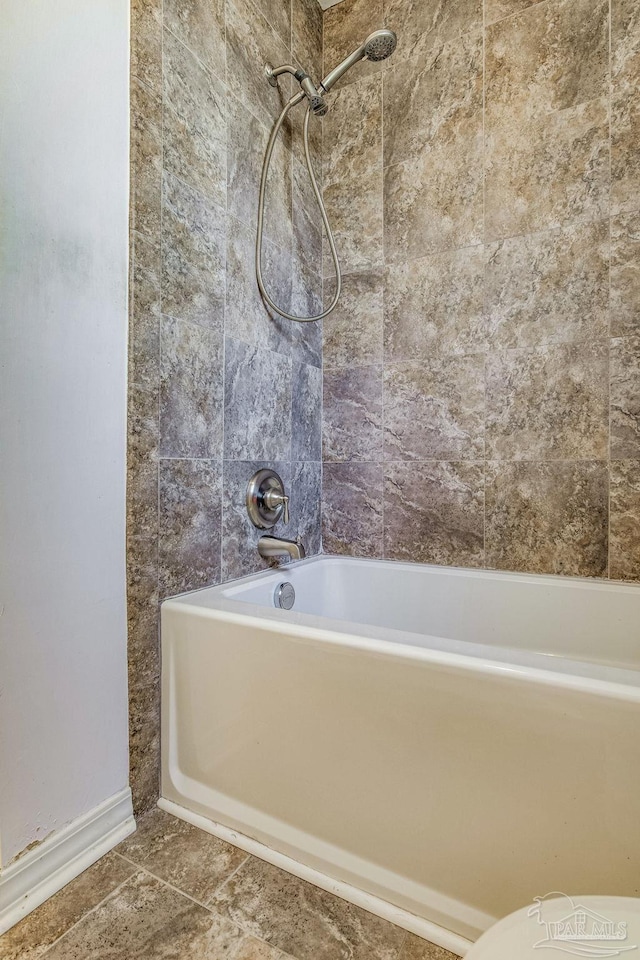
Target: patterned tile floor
x,y
171,891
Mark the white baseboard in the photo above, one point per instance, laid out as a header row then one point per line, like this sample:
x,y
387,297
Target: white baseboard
x,y
402,918
36,876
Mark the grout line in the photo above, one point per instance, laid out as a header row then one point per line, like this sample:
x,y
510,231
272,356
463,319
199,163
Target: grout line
x,y
167,883
89,912
158,645
233,873
382,467
484,279
610,79
246,931
226,295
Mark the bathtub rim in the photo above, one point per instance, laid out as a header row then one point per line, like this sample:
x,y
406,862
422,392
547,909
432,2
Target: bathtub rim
x,y
580,676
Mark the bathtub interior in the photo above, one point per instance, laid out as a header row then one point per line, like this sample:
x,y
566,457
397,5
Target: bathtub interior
x,y
475,613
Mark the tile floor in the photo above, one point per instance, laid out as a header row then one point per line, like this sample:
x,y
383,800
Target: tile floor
x,y
171,891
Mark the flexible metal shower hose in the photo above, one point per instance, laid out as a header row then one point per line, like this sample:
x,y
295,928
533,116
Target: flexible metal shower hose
x,y
263,187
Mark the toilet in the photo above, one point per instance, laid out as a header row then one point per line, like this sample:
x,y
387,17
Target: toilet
x,y
569,926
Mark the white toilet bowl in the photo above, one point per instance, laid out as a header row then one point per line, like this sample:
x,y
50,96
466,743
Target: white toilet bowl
x,y
560,926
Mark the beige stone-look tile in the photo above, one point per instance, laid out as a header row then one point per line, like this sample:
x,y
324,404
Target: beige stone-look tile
x,y
278,15
194,122
32,936
193,255
259,381
353,331
551,57
434,306
307,219
191,390
547,517
252,949
146,918
354,207
498,9
352,414
346,27
550,287
434,513
146,42
423,24
625,156
433,202
352,498
434,410
190,515
144,311
143,651
247,142
625,398
144,744
306,301
625,118
352,130
432,99
306,505
624,529
142,496
415,948
293,129
195,862
548,404
200,24
247,317
143,437
548,171
625,275
303,920
252,42
306,36
306,412
145,162
625,46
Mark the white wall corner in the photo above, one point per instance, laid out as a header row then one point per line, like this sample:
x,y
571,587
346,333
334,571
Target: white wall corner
x,y
33,878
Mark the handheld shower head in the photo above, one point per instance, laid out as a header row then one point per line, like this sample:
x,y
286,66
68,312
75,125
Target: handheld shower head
x,y
378,46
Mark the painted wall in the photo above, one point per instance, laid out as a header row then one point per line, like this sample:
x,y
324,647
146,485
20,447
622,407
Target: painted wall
x,y
217,387
482,374
63,295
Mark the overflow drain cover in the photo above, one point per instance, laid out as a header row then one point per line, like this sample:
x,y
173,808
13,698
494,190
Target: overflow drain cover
x,y
285,596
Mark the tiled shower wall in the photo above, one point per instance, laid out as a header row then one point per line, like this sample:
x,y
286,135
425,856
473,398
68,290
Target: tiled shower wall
x,y
482,374
217,388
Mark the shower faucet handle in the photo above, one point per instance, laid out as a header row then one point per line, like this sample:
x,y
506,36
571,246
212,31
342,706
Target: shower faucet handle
x,y
274,500
267,503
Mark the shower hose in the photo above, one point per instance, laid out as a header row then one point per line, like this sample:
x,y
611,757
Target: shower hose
x,y
263,188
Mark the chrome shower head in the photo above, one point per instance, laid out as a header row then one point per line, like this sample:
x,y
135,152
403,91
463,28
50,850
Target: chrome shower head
x,y
378,46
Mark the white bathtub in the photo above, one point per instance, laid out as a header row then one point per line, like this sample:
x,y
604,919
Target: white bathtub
x,y
438,745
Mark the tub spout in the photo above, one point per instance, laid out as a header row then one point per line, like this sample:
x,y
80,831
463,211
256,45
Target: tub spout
x,y
269,547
